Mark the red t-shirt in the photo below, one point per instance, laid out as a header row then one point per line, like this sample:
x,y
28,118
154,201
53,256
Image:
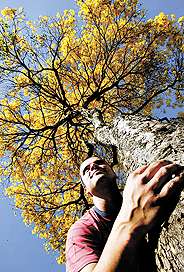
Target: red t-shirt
x,y
87,238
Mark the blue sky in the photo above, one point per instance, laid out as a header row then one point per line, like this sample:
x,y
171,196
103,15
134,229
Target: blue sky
x,y
19,250
34,8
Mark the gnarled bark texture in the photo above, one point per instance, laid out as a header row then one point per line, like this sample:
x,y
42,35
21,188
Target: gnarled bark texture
x,y
141,140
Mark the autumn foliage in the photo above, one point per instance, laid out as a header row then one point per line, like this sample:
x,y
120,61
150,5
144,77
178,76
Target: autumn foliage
x,y
107,57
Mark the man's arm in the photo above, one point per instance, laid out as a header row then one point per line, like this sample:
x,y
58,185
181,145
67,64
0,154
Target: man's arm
x,y
145,191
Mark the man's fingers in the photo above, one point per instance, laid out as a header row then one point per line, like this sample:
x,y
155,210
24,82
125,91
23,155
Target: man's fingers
x,y
172,186
163,175
140,170
153,168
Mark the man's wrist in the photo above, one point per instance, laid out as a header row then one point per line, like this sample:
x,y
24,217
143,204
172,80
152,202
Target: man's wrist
x,y
130,232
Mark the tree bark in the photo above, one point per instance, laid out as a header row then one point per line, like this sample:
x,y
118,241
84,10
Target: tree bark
x,y
142,140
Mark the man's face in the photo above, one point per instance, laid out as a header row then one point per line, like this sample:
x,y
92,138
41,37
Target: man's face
x,y
97,175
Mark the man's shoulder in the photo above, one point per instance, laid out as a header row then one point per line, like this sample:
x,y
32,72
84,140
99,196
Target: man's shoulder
x,y
82,245
87,220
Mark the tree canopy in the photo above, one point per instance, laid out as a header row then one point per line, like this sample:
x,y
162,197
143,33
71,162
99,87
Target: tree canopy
x,y
53,71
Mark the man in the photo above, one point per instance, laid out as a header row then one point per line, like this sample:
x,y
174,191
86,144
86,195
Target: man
x,y
110,235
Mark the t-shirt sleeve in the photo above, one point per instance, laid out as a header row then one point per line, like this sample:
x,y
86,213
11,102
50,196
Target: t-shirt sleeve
x,y
82,247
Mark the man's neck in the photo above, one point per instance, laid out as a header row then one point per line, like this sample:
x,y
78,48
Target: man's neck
x,y
113,202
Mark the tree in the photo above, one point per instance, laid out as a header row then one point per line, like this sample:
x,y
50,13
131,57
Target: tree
x,y
53,72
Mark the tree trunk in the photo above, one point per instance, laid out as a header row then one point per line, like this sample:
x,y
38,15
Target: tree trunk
x,y
140,140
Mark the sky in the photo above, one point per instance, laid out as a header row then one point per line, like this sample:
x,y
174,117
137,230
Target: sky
x,y
20,251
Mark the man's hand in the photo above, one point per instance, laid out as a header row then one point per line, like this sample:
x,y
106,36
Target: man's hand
x,y
147,190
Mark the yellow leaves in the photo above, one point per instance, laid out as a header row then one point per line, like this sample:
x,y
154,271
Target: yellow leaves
x,y
122,22
24,45
162,22
35,230
68,42
105,11
4,172
26,91
181,20
161,18
22,80
17,176
69,13
127,7
14,105
65,152
57,226
138,47
60,259
70,196
182,47
4,101
173,17
31,25
9,13
19,202
44,19
1,168
66,22
58,15
12,191
40,38
8,114
87,8
37,170
9,191
35,155
8,62
43,235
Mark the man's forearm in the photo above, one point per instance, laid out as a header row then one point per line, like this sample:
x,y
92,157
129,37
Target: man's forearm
x,y
121,249
120,252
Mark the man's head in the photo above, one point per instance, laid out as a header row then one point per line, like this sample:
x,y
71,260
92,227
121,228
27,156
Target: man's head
x,y
97,176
